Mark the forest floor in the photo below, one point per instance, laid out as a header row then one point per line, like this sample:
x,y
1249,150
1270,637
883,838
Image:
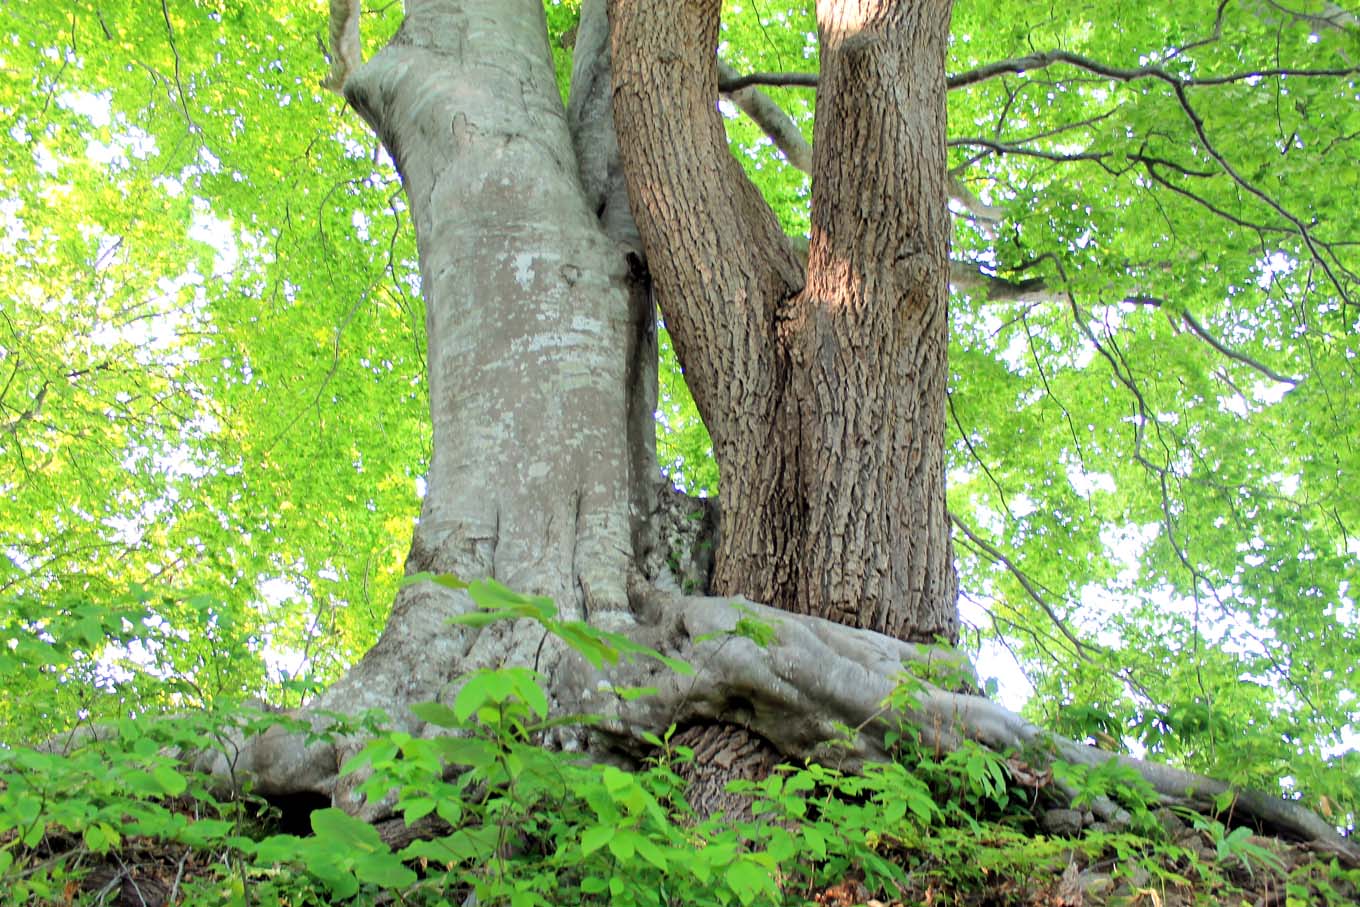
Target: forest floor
x,y
1297,876
1098,870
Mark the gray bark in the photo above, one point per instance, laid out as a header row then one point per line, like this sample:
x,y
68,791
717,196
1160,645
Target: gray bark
x,y
540,346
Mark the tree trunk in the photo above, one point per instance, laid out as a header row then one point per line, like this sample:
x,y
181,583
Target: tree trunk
x,y
825,401
541,357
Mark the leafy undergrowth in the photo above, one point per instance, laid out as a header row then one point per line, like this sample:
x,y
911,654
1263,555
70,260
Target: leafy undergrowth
x,y
525,826
485,816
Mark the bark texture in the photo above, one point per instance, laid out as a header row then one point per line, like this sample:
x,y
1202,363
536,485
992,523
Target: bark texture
x,y
825,396
541,358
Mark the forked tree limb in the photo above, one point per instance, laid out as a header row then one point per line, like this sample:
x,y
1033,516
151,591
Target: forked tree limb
x,y
780,128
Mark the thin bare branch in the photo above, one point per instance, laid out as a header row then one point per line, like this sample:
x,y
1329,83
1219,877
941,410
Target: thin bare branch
x,y
1082,649
1043,60
1048,58
728,84
969,278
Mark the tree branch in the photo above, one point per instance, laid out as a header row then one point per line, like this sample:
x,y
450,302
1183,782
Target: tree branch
x,y
966,277
770,117
695,208
732,82
1082,649
1043,60
346,50
1122,74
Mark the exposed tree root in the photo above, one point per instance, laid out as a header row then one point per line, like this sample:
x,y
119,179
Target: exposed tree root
x,y
816,673
812,679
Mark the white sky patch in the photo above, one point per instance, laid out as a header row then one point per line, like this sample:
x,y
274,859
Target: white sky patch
x,y
995,661
12,228
161,332
1270,394
211,230
1013,688
128,144
276,590
1082,356
1274,266
1126,545
44,161
1235,404
1085,484
208,162
283,663
1288,484
360,221
25,564
1098,606
97,107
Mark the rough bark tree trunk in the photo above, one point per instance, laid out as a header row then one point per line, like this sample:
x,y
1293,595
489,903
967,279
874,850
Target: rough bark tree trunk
x,y
825,397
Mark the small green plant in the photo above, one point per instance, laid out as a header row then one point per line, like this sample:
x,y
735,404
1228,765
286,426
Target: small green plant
x,y
1237,846
1107,779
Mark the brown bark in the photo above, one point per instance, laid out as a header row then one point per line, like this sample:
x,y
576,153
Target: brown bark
x,y
826,404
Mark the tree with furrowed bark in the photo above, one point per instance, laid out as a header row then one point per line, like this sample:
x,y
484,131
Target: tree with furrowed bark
x,y
549,235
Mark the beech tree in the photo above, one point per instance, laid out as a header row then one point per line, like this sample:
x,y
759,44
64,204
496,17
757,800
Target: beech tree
x,y
549,235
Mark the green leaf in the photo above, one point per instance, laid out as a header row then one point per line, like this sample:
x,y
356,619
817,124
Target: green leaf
x,y
481,688
415,808
347,834
100,837
338,878
171,780
592,839
469,845
436,713
749,880
280,849
623,844
383,869
651,853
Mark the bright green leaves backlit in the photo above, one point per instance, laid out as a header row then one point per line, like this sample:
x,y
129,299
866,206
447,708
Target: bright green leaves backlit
x,y
208,284
1157,438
